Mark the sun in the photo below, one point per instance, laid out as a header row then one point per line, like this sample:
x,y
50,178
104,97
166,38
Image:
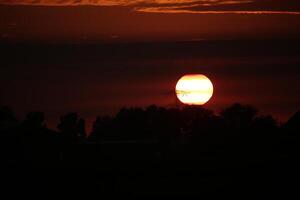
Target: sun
x,y
194,89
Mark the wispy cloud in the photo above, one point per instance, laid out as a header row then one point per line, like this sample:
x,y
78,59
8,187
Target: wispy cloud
x,y
170,10
291,7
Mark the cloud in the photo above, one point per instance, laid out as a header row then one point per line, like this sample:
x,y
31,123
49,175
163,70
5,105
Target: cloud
x,y
180,10
291,7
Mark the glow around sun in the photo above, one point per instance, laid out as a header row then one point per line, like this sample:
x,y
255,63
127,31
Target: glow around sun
x,y
194,89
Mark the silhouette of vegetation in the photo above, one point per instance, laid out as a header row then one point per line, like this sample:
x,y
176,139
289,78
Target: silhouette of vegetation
x,y
71,127
191,140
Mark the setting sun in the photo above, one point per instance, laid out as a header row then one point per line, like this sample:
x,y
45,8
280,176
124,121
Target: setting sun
x,y
194,89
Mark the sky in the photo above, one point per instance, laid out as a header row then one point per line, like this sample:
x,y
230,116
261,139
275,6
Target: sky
x,y
95,56
122,20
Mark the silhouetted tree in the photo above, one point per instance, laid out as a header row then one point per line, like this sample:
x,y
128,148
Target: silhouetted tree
x,y
34,121
238,116
8,136
102,127
40,145
8,123
292,136
71,127
293,124
265,123
81,128
7,114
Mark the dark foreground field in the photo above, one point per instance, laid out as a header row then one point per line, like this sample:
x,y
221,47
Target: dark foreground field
x,y
152,152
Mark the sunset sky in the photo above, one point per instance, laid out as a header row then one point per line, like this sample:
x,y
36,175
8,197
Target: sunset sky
x,y
95,56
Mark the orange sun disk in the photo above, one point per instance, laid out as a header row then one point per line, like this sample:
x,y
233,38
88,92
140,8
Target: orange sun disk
x,y
194,89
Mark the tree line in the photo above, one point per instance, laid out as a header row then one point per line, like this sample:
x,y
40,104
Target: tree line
x,y
155,133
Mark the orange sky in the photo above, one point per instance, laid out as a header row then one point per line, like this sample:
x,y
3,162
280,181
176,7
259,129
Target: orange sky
x,y
114,20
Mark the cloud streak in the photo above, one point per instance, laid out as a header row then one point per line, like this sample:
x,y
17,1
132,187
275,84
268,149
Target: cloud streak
x,y
289,7
176,10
